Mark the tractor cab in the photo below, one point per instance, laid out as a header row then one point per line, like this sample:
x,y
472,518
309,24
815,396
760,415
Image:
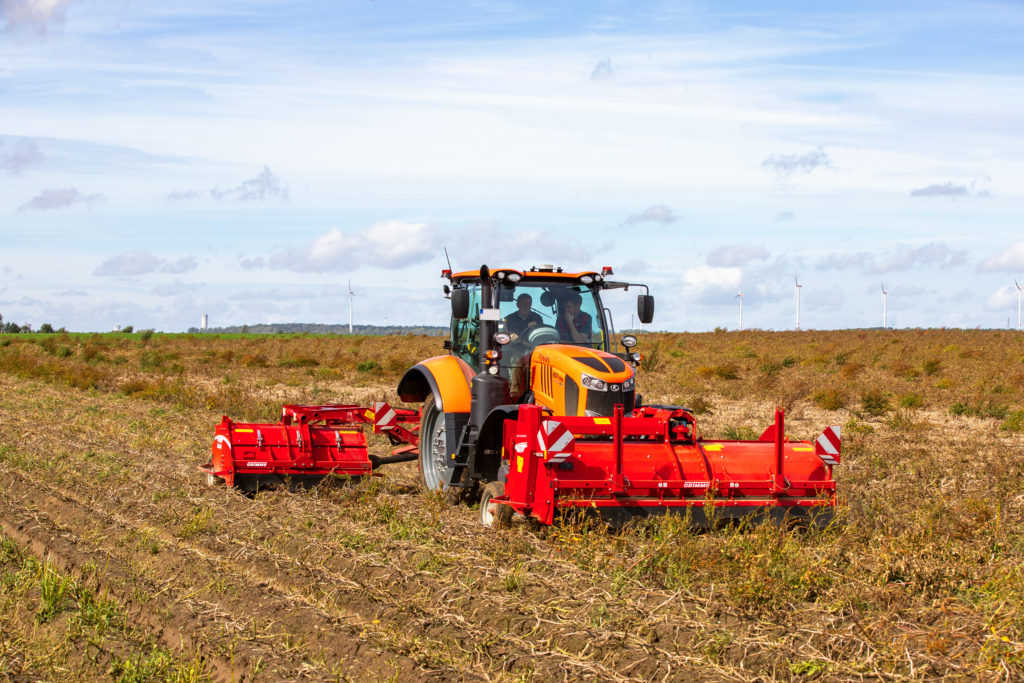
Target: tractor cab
x,y
546,334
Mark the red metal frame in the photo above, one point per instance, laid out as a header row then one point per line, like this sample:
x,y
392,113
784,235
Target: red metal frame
x,y
650,459
309,441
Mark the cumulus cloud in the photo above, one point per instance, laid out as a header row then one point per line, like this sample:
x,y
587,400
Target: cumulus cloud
x,y
387,244
34,16
142,262
789,164
660,213
72,292
941,190
785,216
182,265
59,198
17,156
183,195
266,185
603,70
710,285
253,263
933,254
735,255
1003,299
1011,258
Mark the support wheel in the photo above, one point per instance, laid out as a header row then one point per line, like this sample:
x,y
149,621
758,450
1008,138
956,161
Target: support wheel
x,y
435,462
494,514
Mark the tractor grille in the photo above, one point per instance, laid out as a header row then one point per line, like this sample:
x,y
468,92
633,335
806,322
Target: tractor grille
x,y
603,402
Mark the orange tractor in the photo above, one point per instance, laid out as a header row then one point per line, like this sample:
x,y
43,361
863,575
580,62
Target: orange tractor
x,y
534,410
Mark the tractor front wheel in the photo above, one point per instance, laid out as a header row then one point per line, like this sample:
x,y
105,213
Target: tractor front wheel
x,y
435,464
494,514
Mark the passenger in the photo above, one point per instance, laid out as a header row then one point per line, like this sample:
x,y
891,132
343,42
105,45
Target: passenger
x,y
524,319
574,325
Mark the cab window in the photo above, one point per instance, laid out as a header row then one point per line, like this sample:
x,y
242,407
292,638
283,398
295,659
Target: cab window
x,y
466,333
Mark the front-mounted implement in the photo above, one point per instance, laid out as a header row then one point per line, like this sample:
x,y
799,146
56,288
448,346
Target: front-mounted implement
x,y
309,443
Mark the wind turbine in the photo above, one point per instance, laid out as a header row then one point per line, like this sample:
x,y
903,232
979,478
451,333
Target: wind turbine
x,y
1019,288
885,307
740,297
351,298
796,283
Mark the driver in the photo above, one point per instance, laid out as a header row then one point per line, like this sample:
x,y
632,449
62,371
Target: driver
x,y
574,325
523,319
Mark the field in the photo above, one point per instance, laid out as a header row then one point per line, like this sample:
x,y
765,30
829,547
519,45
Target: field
x,y
117,562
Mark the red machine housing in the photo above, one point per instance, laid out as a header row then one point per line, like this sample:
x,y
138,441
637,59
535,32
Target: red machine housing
x,y
653,461
309,442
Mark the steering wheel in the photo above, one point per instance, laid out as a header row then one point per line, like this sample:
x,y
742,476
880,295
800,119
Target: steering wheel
x,y
543,334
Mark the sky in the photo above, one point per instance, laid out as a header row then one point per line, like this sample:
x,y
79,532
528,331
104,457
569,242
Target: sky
x,y
247,160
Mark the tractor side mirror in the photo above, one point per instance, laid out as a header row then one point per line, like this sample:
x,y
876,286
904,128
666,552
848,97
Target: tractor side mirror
x,y
460,303
644,308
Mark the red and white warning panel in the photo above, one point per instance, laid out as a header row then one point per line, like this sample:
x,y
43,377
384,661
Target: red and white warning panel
x,y
555,443
310,441
828,445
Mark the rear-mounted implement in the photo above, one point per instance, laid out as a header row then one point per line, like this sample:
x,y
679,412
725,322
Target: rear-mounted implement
x,y
651,462
309,442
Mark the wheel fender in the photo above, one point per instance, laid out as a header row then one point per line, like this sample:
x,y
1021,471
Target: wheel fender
x,y
446,377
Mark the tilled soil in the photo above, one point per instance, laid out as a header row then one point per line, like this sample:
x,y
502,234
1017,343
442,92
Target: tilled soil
x,y
374,580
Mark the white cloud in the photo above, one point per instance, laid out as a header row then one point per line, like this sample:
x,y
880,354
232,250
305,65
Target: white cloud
x,y
788,164
735,255
1004,298
709,285
1011,258
59,198
33,15
266,185
142,262
932,254
387,244
785,216
943,190
603,70
659,213
19,155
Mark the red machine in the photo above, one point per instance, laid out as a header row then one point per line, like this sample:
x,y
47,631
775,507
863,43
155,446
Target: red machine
x,y
653,461
309,443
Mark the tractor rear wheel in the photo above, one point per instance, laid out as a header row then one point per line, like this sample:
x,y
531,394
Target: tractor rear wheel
x,y
435,465
494,514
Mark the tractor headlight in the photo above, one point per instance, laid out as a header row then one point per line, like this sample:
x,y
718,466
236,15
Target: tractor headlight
x,y
591,382
514,277
629,384
586,279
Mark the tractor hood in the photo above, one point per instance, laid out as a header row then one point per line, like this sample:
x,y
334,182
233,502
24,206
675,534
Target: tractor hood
x,y
573,380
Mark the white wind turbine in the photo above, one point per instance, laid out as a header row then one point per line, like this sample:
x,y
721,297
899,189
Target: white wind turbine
x,y
1019,288
885,307
797,285
351,298
740,297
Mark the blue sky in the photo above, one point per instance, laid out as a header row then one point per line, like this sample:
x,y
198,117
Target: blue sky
x,y
159,161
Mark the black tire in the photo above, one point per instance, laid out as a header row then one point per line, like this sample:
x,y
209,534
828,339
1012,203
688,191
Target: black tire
x,y
494,515
434,460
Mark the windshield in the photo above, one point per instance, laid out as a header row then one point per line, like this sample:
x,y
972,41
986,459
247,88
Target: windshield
x,y
535,313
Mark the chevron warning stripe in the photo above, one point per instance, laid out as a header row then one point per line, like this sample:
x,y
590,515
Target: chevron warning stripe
x,y
555,441
828,444
384,416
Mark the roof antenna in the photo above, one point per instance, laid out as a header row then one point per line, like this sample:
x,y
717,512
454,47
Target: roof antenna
x,y
448,259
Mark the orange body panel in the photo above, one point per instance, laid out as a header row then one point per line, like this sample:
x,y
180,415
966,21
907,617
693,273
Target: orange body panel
x,y
451,376
553,365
